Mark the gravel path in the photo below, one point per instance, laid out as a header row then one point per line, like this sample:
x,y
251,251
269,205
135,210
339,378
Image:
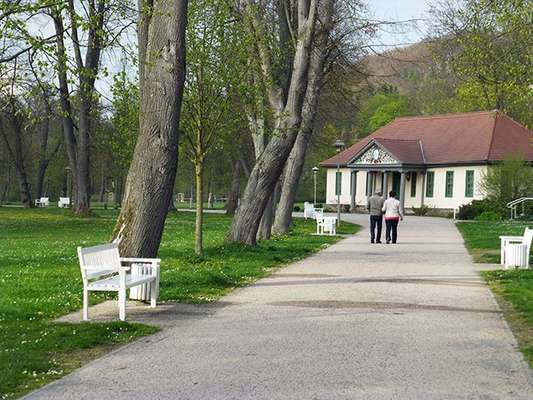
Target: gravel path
x,y
356,321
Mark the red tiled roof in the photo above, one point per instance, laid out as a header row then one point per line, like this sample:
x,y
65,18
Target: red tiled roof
x,y
469,138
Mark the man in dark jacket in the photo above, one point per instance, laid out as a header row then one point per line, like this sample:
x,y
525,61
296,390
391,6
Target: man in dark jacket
x,y
374,205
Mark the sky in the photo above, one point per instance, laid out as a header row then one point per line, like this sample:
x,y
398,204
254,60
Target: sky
x,y
398,10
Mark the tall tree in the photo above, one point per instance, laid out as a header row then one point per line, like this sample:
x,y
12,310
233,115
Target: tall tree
x,y
212,80
86,71
488,46
286,114
125,120
12,127
153,169
295,162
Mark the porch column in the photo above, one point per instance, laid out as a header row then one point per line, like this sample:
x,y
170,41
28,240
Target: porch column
x,y
402,190
385,184
353,186
423,194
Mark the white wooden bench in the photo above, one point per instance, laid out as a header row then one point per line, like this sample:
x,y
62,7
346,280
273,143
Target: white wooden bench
x,y
325,224
310,210
64,202
514,250
42,202
102,269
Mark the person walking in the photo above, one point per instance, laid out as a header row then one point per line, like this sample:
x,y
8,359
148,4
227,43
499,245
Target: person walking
x,y
375,205
393,214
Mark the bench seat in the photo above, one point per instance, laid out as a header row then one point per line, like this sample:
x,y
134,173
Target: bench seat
x,y
113,282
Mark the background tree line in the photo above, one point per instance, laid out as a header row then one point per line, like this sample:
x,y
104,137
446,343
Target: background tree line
x,y
235,98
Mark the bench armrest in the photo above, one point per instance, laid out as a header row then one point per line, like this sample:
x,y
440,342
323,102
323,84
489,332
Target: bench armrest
x,y
130,260
100,268
510,239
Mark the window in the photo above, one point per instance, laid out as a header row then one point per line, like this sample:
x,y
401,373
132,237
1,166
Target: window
x,y
449,184
369,183
430,180
338,183
469,184
413,184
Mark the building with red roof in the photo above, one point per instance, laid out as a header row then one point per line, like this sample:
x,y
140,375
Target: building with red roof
x,y
437,161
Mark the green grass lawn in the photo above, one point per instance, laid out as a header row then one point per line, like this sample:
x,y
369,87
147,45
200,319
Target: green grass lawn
x,y
482,238
514,288
40,280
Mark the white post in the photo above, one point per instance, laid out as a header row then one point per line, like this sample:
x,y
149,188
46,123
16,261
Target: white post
x,y
353,186
402,191
85,303
122,296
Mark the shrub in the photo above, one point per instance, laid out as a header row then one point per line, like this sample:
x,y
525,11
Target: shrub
x,y
333,208
477,207
489,216
420,211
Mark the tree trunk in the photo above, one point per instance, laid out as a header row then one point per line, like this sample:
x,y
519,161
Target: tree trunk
x,y
265,226
39,183
78,149
235,191
153,169
101,196
198,237
269,166
14,150
295,163
119,184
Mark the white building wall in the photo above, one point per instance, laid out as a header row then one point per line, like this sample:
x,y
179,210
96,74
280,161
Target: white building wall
x,y
331,197
439,200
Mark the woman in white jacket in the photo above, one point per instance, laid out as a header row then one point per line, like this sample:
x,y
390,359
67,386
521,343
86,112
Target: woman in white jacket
x,y
393,214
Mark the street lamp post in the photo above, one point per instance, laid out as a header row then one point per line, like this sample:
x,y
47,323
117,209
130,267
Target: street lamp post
x,y
339,144
315,171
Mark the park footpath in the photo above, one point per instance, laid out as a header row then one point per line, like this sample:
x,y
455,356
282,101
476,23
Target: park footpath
x,y
355,321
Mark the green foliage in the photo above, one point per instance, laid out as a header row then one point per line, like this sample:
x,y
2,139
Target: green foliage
x,y
40,280
125,119
421,211
487,45
380,109
507,181
489,216
475,208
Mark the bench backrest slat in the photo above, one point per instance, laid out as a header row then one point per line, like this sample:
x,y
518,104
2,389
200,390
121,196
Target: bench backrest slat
x,y
528,237
106,256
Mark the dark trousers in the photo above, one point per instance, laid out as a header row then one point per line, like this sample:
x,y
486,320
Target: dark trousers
x,y
376,221
391,225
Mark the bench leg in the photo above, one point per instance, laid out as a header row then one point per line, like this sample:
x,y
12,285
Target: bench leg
x,y
85,304
122,305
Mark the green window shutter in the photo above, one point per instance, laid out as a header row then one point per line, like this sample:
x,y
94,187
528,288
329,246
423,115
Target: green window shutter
x,y
338,183
449,184
413,184
430,180
469,184
368,183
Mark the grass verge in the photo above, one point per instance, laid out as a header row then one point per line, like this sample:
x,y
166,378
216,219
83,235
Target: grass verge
x,y
40,280
513,288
